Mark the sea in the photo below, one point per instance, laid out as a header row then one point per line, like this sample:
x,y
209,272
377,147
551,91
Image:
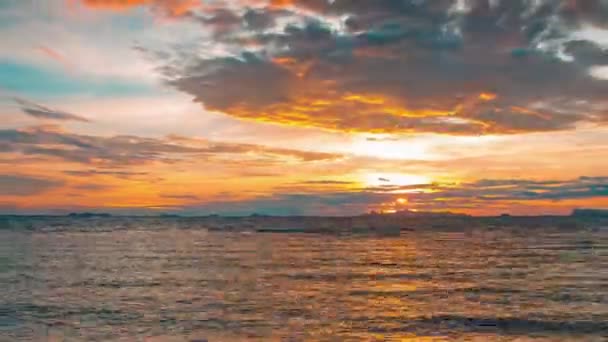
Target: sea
x,y
138,279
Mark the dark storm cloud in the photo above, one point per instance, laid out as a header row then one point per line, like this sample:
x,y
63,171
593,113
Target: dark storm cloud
x,y
132,150
222,21
23,185
496,67
225,22
262,19
587,52
589,11
42,112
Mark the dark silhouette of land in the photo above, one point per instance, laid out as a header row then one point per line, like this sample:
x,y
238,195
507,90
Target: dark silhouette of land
x,y
373,223
88,215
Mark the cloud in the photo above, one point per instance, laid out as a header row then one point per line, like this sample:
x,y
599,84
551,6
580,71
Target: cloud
x,y
315,186
487,192
51,141
490,194
42,112
23,185
165,7
491,67
327,182
180,196
244,149
113,173
92,187
257,174
54,54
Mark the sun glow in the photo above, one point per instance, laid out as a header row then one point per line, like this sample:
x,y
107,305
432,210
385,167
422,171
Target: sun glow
x,y
375,146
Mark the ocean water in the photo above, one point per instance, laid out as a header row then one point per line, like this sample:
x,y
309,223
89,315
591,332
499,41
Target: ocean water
x,y
159,280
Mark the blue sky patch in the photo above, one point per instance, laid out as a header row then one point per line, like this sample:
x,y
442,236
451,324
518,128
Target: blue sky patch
x,y
30,80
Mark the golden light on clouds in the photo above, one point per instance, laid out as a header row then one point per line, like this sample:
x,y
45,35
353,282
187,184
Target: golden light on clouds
x,y
487,96
379,179
170,7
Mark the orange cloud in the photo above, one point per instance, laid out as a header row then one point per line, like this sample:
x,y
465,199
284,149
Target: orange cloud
x,y
177,7
51,53
363,96
487,96
301,99
115,4
281,3
167,7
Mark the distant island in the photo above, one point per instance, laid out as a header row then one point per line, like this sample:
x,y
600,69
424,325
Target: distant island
x,y
582,213
169,215
369,223
599,213
86,215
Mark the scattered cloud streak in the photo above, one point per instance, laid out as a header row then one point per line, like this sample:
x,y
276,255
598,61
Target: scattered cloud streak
x,y
488,194
51,141
112,173
24,185
327,182
91,187
41,112
187,197
53,54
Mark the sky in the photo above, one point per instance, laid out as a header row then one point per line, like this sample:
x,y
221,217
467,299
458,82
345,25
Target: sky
x,y
303,107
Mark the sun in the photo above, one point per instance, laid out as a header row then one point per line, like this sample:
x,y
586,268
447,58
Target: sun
x,y
393,179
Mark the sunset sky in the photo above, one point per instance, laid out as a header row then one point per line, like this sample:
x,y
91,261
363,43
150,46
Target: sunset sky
x,y
295,107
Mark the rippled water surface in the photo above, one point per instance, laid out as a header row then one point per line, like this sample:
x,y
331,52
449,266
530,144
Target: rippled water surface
x,y
158,282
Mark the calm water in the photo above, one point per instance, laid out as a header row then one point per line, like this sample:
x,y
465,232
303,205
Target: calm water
x,y
155,281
